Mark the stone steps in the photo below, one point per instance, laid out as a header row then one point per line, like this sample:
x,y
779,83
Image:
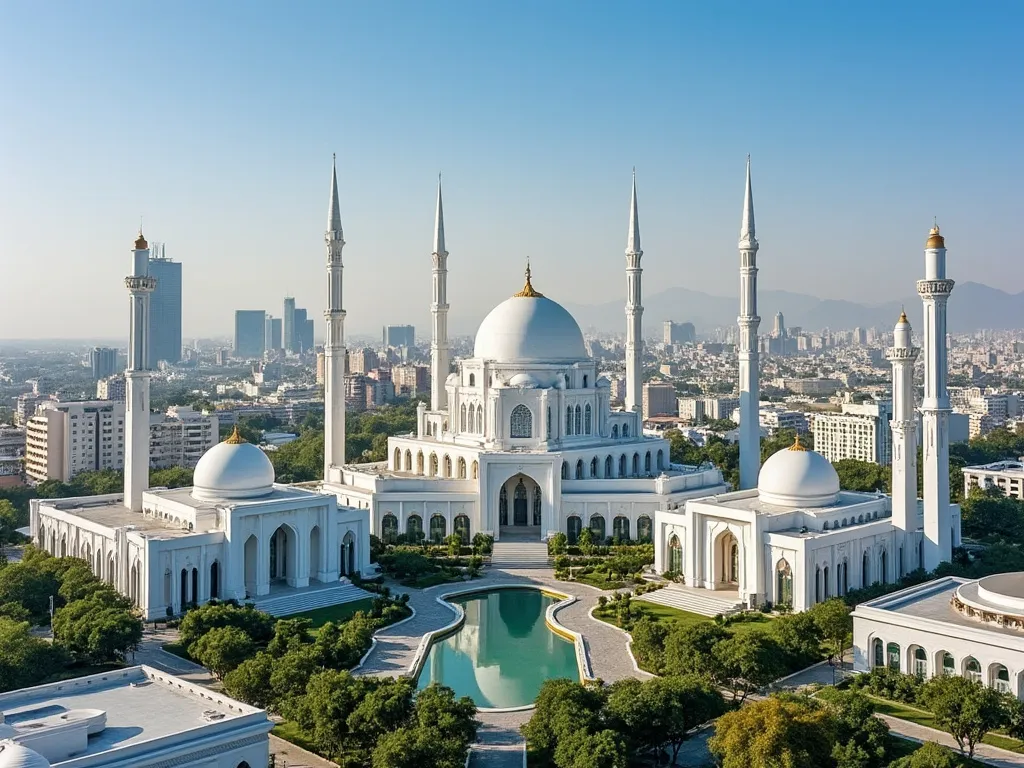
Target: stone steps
x,y
308,600
519,554
692,600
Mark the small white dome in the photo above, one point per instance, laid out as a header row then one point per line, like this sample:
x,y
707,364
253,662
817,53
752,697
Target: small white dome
x,y
524,381
603,382
797,477
529,328
16,756
233,469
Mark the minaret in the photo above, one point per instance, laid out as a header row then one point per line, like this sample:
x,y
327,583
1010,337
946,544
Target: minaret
x,y
634,309
334,348
136,449
903,354
440,353
750,398
934,291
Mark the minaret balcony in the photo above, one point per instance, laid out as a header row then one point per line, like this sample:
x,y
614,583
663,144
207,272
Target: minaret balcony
x,y
935,287
140,283
902,353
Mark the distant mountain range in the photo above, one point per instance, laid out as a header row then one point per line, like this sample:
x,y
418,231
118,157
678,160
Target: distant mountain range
x,y
972,306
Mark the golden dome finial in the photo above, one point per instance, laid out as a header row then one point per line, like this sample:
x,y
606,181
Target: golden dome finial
x,y
903,316
140,241
236,437
797,445
935,239
528,292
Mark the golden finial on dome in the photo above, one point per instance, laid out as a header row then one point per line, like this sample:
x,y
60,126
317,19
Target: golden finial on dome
x,y
236,437
935,240
797,445
903,316
528,292
140,242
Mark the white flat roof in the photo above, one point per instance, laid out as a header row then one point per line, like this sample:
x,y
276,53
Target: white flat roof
x,y
749,501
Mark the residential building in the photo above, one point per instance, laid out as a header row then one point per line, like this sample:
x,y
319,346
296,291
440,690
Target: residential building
x,y
180,437
250,332
273,333
658,399
26,406
861,431
1007,476
814,387
65,438
678,333
103,361
411,379
164,308
112,388
355,391
362,360
399,336
772,418
321,367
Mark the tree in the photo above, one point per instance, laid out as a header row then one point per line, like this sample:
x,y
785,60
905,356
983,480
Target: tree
x,y
172,477
648,644
967,709
222,649
8,524
799,637
250,681
747,663
929,755
776,732
562,707
866,476
683,703
588,749
31,585
690,649
197,622
99,628
24,659
991,516
832,617
862,740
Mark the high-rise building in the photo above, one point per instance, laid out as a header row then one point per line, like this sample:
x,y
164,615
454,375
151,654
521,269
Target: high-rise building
x,y
362,360
250,332
659,399
112,388
399,336
288,336
273,333
411,379
103,361
678,333
861,431
164,308
63,439
181,436
307,335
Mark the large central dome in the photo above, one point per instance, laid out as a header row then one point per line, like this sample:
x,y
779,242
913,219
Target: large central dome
x,y
529,327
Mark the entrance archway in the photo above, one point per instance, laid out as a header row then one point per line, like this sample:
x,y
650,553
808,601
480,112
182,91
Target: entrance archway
x,y
314,552
283,555
520,501
727,561
251,554
348,554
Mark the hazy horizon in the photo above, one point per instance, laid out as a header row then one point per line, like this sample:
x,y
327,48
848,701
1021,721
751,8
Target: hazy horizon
x,y
217,125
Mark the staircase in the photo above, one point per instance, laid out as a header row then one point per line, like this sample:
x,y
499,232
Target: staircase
x,y
702,601
301,600
516,555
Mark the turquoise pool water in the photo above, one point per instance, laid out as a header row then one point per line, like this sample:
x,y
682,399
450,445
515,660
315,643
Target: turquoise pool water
x,y
503,652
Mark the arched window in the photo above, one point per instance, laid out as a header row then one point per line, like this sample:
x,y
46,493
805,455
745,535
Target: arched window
x,y
899,563
438,528
461,468
503,506
972,669
419,463
463,425
1000,678
607,466
476,469
844,522
585,384
620,528
414,528
522,422
622,465
879,652
892,652
597,529
817,583
824,526
920,663
636,465
643,529
843,578
675,554
884,566
579,469
397,463
472,380
586,418
593,467
433,465
860,518
783,583
549,423
565,470
479,419
573,525
948,665
579,421
214,580
826,584
462,528
647,462
661,460
865,571
615,431
565,378
447,465
408,461
536,505
568,420
625,430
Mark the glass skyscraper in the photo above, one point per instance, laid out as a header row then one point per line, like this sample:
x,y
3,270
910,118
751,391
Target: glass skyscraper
x,y
164,308
250,332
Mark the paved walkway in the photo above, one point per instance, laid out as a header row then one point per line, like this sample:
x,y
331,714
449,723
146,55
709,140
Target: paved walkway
x,y
982,753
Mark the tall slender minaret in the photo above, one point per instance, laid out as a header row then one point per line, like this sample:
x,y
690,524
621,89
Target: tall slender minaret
x,y
136,449
903,354
934,291
440,353
634,309
750,397
334,348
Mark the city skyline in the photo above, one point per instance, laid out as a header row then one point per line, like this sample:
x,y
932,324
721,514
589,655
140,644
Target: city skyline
x,y
540,114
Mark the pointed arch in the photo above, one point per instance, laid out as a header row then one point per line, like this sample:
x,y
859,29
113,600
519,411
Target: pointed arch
x,y
565,470
433,465
587,417
647,462
578,422
397,462
462,418
479,419
622,465
476,469
521,422
579,469
446,464
593,467
461,468
568,420
408,461
636,465
607,466
419,462
615,431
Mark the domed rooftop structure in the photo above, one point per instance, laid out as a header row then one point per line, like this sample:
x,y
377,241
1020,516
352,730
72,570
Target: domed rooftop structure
x,y
529,327
797,477
16,756
233,469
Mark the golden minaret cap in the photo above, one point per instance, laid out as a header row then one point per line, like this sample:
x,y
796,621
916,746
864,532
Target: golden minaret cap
x,y
140,242
903,317
528,292
797,445
235,438
935,240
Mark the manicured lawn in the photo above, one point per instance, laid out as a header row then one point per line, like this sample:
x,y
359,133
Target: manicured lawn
x,y
926,718
290,731
335,613
177,649
598,579
685,618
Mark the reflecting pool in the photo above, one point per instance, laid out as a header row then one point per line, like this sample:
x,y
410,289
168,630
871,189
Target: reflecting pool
x,y
503,652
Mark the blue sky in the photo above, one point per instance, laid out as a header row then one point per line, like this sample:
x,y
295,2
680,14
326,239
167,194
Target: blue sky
x,y
216,122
